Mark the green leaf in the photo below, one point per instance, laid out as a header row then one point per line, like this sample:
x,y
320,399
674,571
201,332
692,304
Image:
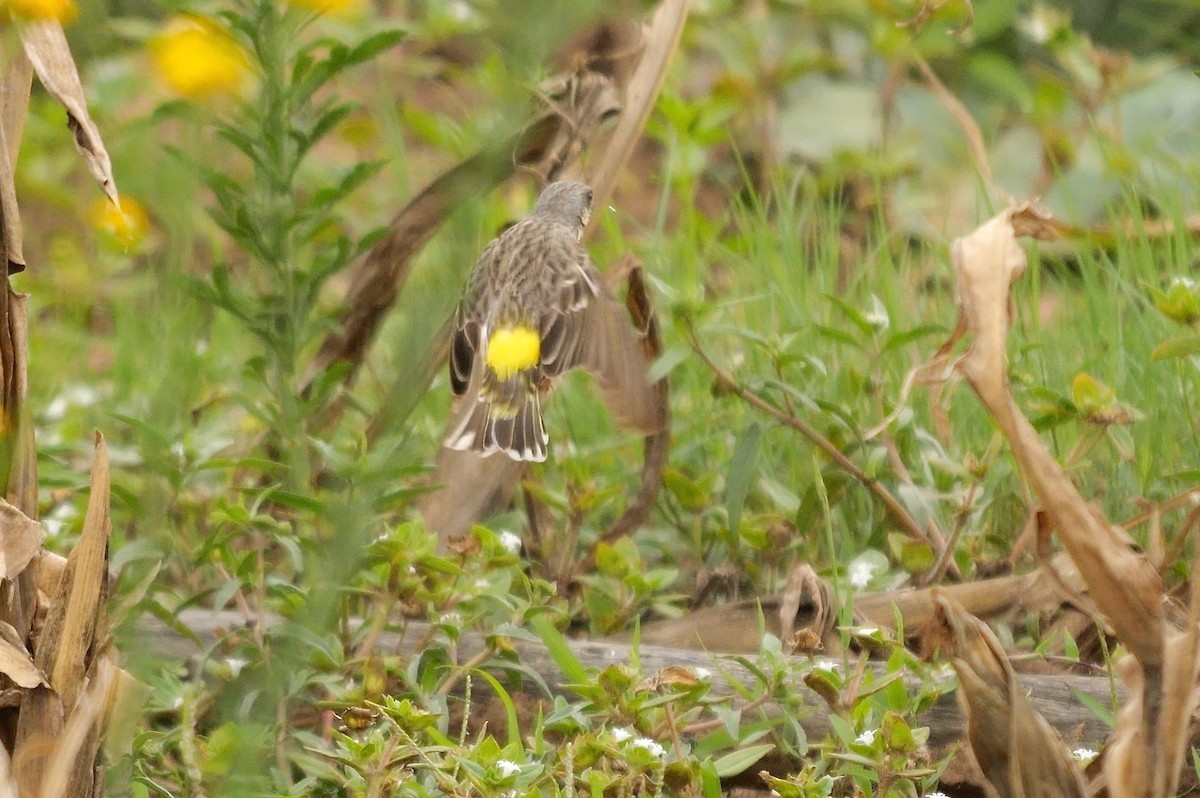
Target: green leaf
x,y
510,709
710,780
691,494
899,339
1089,394
741,471
1100,709
1177,347
667,362
853,314
354,177
558,649
1180,302
735,762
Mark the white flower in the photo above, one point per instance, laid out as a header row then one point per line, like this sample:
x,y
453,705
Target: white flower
x,y
651,746
621,735
860,574
1084,755
867,631
936,795
1039,31
450,619
1186,282
235,666
507,768
866,738
703,674
829,667
57,520
75,395
511,541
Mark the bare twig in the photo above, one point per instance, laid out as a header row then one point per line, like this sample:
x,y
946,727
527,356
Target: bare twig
x,y
897,510
965,121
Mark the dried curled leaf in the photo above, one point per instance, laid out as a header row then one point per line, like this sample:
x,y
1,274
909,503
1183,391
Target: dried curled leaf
x,y
1019,753
14,103
46,48
20,540
15,660
1147,750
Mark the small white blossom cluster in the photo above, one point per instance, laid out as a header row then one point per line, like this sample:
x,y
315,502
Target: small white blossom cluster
x,y
866,738
511,541
507,768
860,574
1084,755
651,746
621,735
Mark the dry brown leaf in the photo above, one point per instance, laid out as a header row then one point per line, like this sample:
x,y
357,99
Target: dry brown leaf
x,y
20,540
14,353
1146,753
66,647
72,764
14,105
51,567
15,660
8,786
78,608
48,52
661,39
965,121
806,589
1123,584
1017,750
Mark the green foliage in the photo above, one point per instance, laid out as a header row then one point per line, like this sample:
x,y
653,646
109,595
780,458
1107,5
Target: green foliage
x,y
789,239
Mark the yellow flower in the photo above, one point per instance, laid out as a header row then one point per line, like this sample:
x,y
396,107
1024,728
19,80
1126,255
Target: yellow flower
x,y
337,8
121,228
198,60
61,10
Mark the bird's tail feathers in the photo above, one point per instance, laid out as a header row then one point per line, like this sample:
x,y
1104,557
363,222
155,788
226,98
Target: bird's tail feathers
x,y
502,417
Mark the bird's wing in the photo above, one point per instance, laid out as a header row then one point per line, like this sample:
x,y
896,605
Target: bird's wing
x,y
468,322
572,290
586,326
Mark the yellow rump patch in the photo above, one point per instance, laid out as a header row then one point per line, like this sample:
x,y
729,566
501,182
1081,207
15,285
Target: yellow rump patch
x,y
513,349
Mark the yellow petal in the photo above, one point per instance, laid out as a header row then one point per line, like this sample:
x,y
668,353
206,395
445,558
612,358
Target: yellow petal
x,y
198,60
337,8
61,10
121,228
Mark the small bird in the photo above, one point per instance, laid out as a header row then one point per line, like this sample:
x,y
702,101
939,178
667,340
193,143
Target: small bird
x,y
534,307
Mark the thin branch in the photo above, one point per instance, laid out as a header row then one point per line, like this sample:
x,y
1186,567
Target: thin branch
x,y
899,513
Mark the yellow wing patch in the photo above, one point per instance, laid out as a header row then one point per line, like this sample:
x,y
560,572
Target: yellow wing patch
x,y
513,349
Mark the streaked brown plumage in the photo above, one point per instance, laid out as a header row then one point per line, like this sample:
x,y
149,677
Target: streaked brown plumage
x,y
537,276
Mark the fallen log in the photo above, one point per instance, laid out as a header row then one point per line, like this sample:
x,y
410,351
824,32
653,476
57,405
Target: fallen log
x,y
1056,697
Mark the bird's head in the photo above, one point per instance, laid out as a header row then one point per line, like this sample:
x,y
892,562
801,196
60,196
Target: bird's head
x,y
566,200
